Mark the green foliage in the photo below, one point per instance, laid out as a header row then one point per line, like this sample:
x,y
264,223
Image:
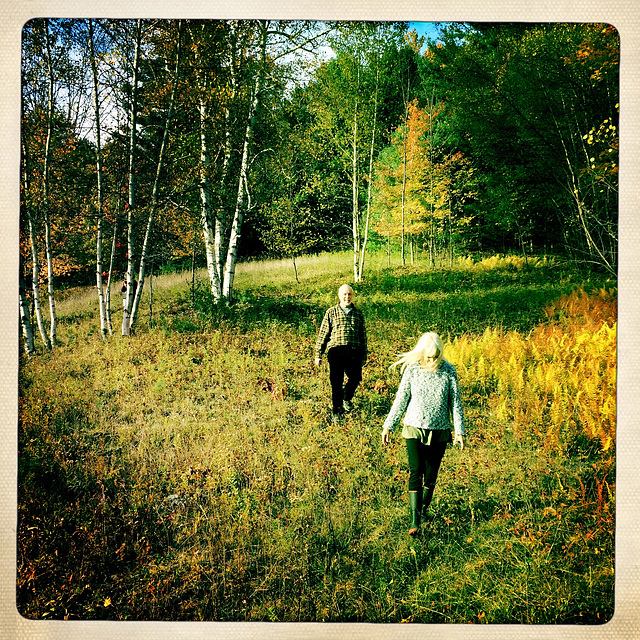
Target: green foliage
x,y
289,229
419,191
523,153
191,472
531,97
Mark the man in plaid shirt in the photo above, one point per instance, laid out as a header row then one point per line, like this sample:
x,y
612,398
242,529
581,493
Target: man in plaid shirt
x,y
343,335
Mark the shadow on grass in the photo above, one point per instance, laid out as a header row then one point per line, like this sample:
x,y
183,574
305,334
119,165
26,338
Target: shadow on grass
x,y
252,309
513,307
78,533
447,301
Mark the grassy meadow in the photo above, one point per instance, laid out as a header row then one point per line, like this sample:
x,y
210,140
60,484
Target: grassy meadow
x,y
191,472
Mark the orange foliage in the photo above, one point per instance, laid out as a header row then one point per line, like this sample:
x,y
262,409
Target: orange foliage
x,y
556,383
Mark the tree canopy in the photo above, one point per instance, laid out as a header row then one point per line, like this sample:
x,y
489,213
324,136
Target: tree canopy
x,y
219,140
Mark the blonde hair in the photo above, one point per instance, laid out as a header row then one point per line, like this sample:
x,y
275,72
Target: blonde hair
x,y
428,352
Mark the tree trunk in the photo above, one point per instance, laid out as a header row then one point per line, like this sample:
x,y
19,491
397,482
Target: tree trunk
x,y
236,227
371,150
404,190
432,255
295,268
431,188
210,230
156,184
35,272
25,316
450,236
221,233
129,207
355,214
99,194
110,274
206,212
151,295
53,321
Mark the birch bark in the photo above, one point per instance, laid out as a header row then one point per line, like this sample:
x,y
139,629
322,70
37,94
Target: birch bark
x,y
25,318
355,212
241,198
99,193
129,207
53,321
211,224
35,261
156,184
371,152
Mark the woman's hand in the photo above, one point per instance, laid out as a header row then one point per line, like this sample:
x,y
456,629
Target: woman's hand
x,y
385,436
458,439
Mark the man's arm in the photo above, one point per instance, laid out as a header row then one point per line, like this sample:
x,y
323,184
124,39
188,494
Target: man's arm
x,y
324,333
365,350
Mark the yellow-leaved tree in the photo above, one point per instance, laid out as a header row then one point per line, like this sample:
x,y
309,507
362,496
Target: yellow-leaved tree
x,y
418,191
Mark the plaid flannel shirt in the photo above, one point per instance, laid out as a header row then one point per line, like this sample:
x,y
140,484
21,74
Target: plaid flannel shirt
x,y
342,329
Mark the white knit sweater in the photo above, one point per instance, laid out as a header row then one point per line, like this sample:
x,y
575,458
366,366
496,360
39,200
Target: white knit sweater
x,y
429,399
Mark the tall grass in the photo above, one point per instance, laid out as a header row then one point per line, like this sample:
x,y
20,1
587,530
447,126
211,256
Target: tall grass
x,y
190,472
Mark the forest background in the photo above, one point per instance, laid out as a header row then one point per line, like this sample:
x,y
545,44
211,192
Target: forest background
x,y
151,144
381,148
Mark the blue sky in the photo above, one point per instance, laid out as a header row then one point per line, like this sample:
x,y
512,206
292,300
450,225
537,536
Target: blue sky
x,y
424,28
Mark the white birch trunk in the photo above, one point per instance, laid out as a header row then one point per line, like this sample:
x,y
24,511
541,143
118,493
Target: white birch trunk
x,y
53,321
355,214
371,150
128,299
110,275
209,230
221,240
432,102
99,194
156,185
35,273
404,191
35,262
236,227
126,313
25,318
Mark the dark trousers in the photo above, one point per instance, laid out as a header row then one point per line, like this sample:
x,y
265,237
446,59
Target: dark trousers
x,y
343,361
424,464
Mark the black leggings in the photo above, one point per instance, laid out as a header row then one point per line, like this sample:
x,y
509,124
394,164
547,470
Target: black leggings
x,y
344,360
424,463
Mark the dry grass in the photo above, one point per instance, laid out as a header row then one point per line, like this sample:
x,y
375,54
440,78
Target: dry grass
x,y
190,472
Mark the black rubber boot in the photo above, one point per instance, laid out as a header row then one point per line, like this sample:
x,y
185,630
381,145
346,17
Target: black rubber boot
x,y
427,495
415,502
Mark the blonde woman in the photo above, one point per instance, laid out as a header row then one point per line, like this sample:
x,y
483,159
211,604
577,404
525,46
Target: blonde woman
x,y
428,396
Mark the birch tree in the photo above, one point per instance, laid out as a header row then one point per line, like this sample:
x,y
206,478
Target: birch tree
x,y
346,97
53,162
372,148
212,51
243,185
275,42
131,203
53,321
35,265
155,196
99,187
25,315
